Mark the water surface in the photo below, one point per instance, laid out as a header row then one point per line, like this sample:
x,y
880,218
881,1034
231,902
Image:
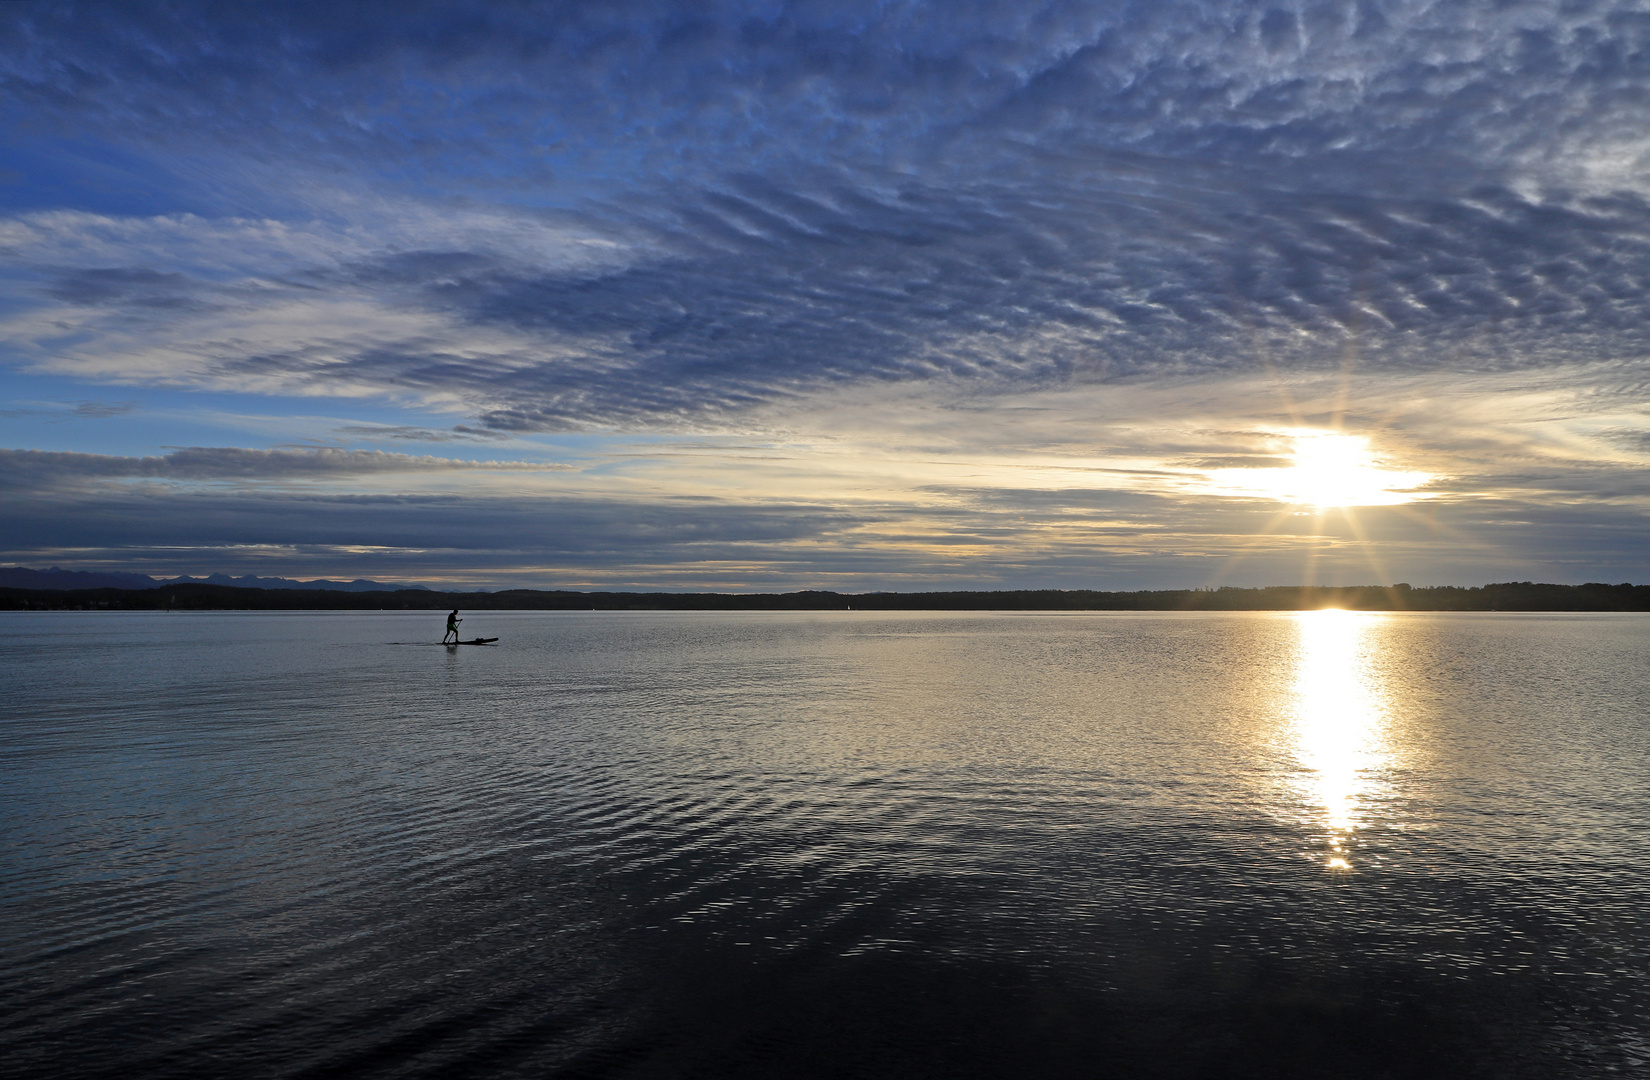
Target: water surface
x,y
825,844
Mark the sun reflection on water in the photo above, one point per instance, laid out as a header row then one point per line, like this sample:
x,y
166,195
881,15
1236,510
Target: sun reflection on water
x,y
1339,721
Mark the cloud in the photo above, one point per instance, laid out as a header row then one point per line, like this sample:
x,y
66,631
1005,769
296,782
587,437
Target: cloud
x,y
455,88
85,410
1000,291
100,409
956,538
1045,489
41,469
412,433
139,287
575,96
476,538
756,203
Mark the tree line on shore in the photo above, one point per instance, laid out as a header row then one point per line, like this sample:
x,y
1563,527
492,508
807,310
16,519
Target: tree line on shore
x,y
1506,596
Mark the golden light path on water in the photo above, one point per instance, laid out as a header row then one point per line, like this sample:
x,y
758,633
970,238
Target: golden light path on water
x,y
1340,720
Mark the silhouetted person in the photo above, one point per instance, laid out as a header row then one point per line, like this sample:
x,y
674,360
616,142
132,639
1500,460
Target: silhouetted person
x,y
452,627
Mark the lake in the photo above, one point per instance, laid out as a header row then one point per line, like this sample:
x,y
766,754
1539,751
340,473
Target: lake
x,y
825,844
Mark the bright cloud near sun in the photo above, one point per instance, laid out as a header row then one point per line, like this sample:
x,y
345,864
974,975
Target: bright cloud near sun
x,y
1327,470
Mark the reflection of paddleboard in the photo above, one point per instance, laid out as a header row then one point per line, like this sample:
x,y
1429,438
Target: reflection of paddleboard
x,y
475,641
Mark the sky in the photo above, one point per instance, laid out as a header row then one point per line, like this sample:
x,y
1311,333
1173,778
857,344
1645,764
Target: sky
x,y
849,295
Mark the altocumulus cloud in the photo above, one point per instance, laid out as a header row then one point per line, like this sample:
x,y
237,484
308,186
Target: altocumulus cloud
x,y
692,210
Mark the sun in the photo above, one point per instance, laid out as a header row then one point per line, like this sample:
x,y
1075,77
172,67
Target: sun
x,y
1328,470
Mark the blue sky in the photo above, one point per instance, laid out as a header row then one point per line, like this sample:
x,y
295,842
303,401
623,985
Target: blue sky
x,y
853,296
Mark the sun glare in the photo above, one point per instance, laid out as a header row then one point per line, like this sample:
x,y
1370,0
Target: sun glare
x,y
1340,714
1327,470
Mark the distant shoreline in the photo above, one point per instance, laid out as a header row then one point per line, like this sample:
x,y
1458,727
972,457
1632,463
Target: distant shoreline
x,y
1507,596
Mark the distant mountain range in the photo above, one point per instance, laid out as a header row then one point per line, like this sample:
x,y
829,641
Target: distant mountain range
x,y
21,577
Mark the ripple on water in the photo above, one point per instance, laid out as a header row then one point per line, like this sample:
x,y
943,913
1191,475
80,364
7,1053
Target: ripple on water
x,y
801,844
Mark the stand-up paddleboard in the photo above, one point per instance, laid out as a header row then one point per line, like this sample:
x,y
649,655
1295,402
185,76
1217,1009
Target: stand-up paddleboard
x,y
449,644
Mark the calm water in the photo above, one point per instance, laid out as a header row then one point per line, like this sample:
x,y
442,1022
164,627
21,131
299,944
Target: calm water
x,y
844,844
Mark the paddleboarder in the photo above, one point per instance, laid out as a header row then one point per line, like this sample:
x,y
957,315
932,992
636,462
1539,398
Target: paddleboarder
x,y
452,628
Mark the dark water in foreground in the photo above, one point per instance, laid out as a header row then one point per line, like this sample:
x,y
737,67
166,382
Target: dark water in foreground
x,y
769,845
